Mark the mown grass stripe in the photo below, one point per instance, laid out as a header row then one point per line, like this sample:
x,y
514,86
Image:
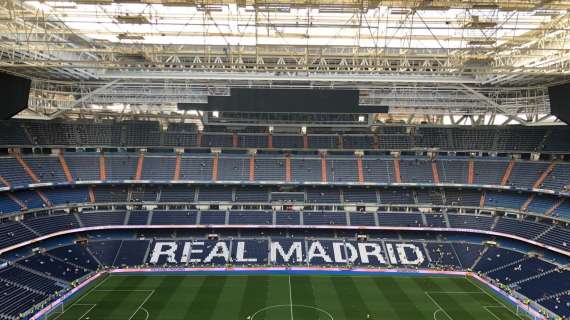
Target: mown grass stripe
x,y
375,299
302,292
121,301
349,297
254,296
206,298
168,291
398,298
445,292
460,305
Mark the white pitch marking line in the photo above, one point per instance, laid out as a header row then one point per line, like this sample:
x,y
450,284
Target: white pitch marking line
x,y
86,312
147,314
295,305
75,305
123,290
290,297
435,314
501,303
455,292
487,308
437,305
81,298
142,304
91,290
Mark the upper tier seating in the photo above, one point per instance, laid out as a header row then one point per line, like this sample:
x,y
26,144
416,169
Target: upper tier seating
x,y
250,217
287,141
360,195
542,204
379,170
121,167
177,194
216,139
181,134
83,167
273,168
8,205
149,134
233,168
489,171
306,169
505,200
355,141
452,170
526,229
417,170
559,178
174,217
342,170
67,196
12,171
165,165
250,140
563,210
50,224
468,198
470,221
269,168
196,168
525,174
46,168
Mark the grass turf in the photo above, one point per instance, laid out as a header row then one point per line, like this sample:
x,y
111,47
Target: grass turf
x,y
283,297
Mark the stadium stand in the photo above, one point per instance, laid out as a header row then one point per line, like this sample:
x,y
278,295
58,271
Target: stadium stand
x,y
403,138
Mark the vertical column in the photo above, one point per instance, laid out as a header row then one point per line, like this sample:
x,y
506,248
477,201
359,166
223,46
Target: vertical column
x,y
470,171
434,172
252,167
18,201
554,207
360,169
215,168
102,168
340,142
177,167
305,141
270,140
26,168
397,170
525,205
234,139
507,174
44,198
376,142
140,166
4,182
65,168
91,195
199,139
288,168
543,176
482,200
324,177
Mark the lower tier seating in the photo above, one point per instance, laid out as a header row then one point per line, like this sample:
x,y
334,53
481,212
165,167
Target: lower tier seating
x,y
28,281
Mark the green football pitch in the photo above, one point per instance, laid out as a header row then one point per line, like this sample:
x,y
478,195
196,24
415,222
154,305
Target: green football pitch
x,y
284,297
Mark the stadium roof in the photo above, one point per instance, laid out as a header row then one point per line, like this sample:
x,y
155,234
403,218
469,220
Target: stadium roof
x,y
448,57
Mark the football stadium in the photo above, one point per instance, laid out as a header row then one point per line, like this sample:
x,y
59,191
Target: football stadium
x,y
285,159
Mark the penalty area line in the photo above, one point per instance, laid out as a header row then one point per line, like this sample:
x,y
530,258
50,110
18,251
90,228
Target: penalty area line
x,y
437,305
488,309
142,304
501,303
